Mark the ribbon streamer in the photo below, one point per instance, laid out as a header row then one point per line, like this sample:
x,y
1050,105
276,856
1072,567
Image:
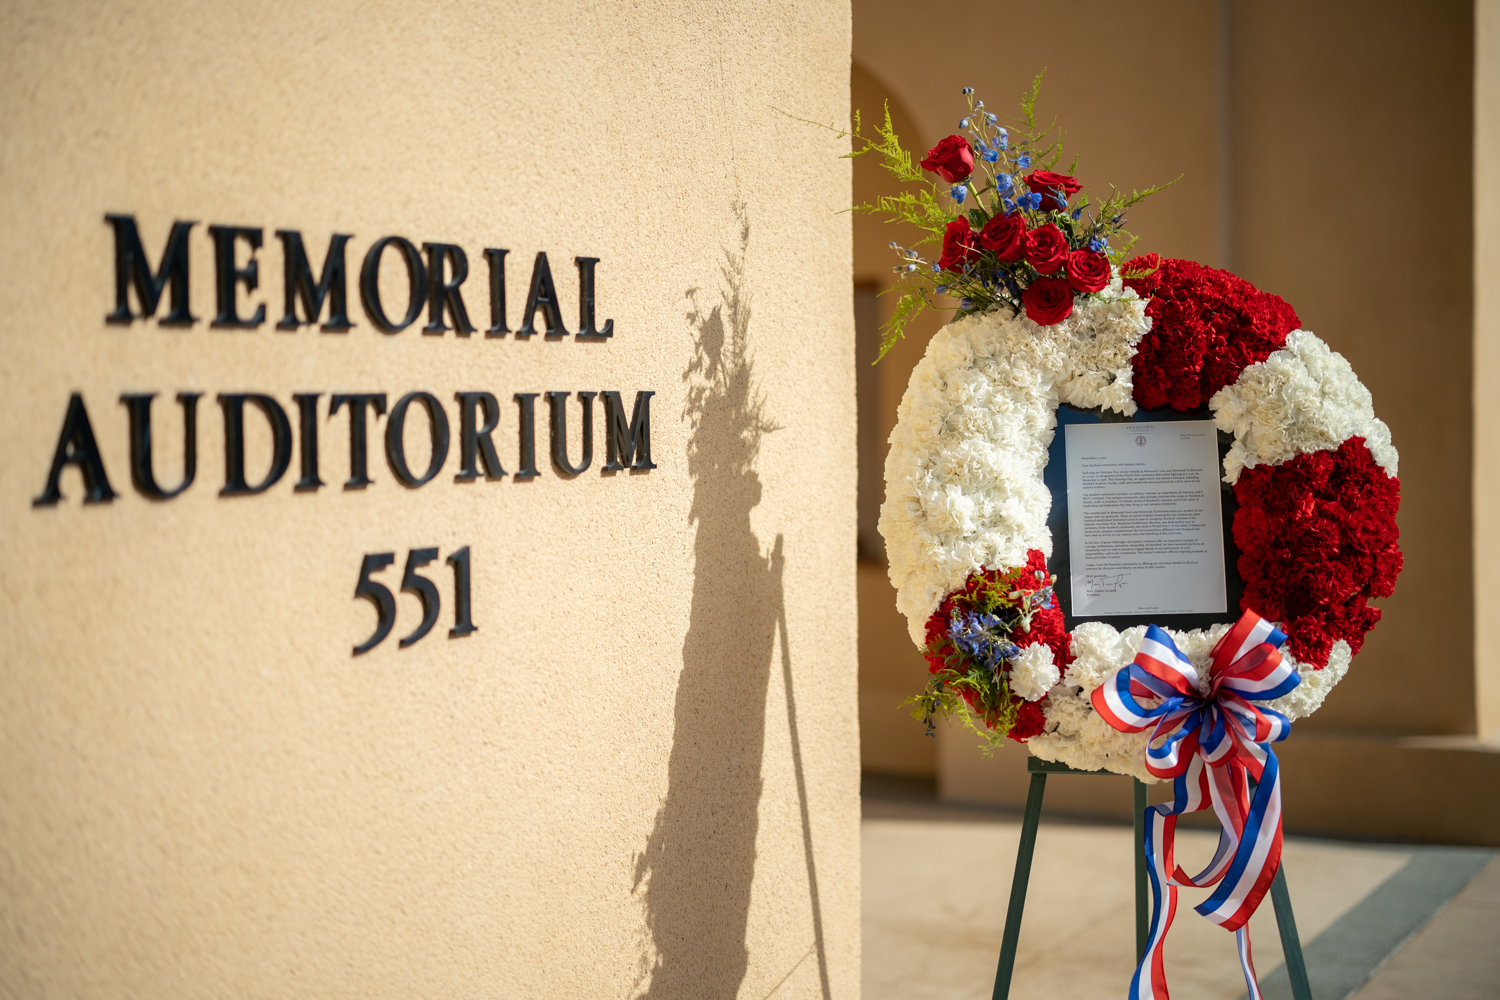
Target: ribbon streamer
x,y
1210,740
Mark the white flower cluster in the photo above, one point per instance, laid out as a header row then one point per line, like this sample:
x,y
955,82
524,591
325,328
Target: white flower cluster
x,y
1307,697
1303,398
964,484
964,473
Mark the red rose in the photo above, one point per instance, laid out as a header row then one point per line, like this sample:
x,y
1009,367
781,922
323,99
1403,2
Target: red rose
x,y
1048,301
1006,235
958,246
951,159
1046,248
1088,271
1047,184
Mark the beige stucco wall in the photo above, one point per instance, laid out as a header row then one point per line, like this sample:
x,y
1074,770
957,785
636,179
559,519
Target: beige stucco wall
x,y
640,774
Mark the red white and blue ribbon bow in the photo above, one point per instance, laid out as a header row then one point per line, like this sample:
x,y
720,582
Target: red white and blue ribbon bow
x,y
1210,739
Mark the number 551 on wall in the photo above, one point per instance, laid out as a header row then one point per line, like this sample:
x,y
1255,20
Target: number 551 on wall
x,y
413,582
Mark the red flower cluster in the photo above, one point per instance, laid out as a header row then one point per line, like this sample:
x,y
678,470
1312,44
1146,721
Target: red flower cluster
x,y
1046,627
1317,538
1207,327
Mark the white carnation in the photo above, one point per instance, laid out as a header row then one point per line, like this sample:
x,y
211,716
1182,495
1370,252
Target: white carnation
x,y
1303,398
1098,651
1033,673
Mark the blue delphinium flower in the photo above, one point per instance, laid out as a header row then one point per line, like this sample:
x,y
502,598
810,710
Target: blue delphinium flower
x,y
1023,161
941,289
964,123
1004,183
1008,205
910,268
1002,137
966,303
1030,200
1097,244
989,155
959,192
894,246
1077,214
968,90
974,633
992,119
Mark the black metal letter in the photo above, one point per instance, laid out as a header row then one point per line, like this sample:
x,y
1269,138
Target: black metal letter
x,y
425,589
586,329
369,284
526,401
626,441
463,619
358,461
233,405
496,259
444,294
76,446
558,401
228,278
141,472
297,280
473,440
131,265
380,595
307,435
543,296
395,440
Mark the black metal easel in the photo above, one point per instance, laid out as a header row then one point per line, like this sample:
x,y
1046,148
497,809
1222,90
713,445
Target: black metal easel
x,y
1291,946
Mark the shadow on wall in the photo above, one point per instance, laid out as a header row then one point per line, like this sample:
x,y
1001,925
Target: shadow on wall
x,y
700,860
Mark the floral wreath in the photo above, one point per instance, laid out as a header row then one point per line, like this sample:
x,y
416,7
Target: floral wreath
x,y
1051,313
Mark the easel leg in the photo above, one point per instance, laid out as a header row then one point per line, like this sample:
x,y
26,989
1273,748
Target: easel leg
x,y
1291,945
1142,902
1018,886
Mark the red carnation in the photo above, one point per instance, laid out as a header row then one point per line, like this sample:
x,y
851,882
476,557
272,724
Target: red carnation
x,y
1142,273
1047,184
951,159
958,246
1207,326
1006,235
1029,722
1046,248
1088,271
1048,301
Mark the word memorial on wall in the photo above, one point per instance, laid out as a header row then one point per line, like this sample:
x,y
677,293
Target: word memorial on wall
x,y
435,272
